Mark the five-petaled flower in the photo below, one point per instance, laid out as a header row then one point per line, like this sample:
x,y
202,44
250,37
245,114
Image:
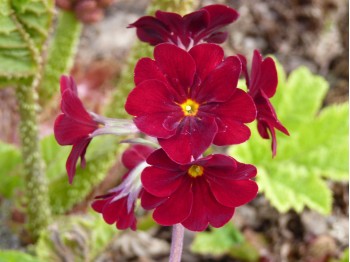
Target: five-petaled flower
x,y
189,100
262,85
118,205
76,126
205,191
200,26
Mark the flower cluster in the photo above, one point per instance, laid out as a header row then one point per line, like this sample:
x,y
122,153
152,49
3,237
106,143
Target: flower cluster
x,y
187,98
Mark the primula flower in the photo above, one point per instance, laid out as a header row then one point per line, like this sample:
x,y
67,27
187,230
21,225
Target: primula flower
x,y
75,126
205,191
118,205
200,26
189,100
262,85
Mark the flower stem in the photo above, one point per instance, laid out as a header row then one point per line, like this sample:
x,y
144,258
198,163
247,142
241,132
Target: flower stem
x,y
176,243
38,209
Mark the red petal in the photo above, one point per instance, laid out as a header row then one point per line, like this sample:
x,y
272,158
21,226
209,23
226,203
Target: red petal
x,y
268,77
149,201
67,83
177,207
220,15
135,155
206,209
207,57
244,171
78,150
151,30
220,83
160,159
69,131
160,182
244,68
195,22
172,20
147,69
177,64
73,108
218,165
233,193
217,38
154,108
263,76
192,138
231,132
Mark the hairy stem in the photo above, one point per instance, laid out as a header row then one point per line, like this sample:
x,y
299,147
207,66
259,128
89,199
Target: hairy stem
x,y
176,243
38,209
62,49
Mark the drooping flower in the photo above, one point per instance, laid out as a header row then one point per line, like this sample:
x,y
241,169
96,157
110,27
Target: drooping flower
x,y
118,205
200,26
262,86
189,100
75,126
205,191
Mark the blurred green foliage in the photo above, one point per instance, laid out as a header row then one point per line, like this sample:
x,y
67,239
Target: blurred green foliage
x,y
16,256
316,149
74,238
226,240
10,162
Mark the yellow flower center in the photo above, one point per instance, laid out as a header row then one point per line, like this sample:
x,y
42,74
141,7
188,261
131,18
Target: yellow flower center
x,y
195,171
190,107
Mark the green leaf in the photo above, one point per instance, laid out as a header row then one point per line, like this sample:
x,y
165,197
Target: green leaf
x,y
218,241
291,186
10,161
316,148
15,256
24,29
55,157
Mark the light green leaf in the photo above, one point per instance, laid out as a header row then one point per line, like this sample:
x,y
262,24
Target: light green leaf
x,y
290,186
10,161
55,157
23,31
317,146
218,241
15,256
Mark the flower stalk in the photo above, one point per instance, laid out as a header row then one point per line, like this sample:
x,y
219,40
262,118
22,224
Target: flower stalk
x,y
176,243
38,209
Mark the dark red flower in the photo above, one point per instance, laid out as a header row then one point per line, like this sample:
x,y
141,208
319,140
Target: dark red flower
x,y
200,26
205,191
189,100
75,126
118,205
262,86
